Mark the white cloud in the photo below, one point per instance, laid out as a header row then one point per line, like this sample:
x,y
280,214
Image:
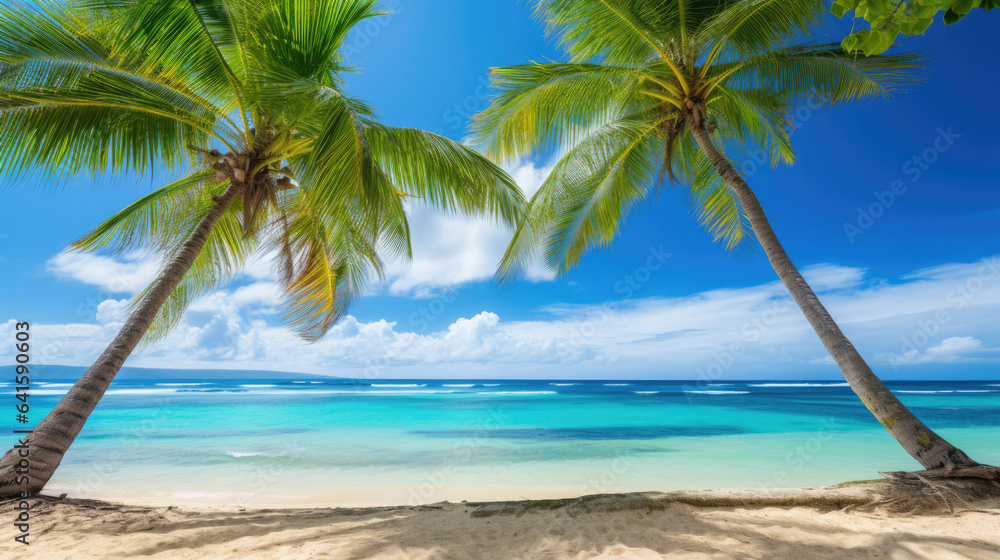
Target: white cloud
x,y
828,277
941,315
112,311
448,250
955,345
129,275
956,349
451,249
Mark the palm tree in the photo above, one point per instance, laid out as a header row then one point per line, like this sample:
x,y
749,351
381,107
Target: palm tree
x,y
677,87
244,99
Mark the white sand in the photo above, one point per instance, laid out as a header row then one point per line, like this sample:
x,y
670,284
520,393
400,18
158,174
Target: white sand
x,y
81,530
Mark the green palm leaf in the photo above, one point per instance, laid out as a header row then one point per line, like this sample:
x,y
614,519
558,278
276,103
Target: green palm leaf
x,y
242,97
644,72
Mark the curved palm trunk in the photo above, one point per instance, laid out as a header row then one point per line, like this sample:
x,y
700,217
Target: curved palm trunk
x,y
928,448
55,433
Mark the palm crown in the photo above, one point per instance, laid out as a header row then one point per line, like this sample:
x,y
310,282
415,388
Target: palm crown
x,y
642,73
232,94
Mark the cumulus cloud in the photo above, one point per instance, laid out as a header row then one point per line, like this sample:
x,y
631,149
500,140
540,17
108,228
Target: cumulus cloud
x,y
112,310
451,249
127,275
944,314
448,250
955,349
955,345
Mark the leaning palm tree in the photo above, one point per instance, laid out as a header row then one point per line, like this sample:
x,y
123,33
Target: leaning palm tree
x,y
243,99
676,88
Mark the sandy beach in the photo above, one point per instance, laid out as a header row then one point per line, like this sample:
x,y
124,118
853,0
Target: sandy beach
x,y
828,522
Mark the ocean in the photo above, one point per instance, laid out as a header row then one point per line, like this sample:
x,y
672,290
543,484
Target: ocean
x,y
337,442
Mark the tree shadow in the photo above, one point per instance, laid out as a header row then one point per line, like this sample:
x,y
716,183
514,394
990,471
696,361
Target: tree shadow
x,y
548,531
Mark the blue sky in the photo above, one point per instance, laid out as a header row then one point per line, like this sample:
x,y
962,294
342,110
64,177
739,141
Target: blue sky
x,y
425,66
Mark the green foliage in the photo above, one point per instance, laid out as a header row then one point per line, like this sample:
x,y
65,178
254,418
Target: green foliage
x,y
231,94
642,72
889,18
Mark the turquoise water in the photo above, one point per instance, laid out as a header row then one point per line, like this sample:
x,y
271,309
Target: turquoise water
x,y
338,442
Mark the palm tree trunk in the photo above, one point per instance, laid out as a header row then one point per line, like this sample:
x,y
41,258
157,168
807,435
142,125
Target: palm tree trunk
x,y
928,448
50,440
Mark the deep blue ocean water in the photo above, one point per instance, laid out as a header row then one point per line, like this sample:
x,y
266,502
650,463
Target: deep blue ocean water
x,y
259,442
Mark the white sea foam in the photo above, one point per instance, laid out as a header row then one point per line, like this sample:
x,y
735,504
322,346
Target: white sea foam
x,y
719,392
799,385
398,385
51,385
491,384
563,384
617,384
465,385
947,391
249,454
516,393
288,393
408,392
646,392
141,391
253,385
180,384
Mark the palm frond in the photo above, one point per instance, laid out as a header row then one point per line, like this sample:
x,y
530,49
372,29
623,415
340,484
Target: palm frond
x,y
303,37
544,106
583,201
617,31
756,118
30,31
714,205
329,265
751,27
445,174
180,37
603,179
237,94
61,140
147,221
825,72
730,66
226,251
